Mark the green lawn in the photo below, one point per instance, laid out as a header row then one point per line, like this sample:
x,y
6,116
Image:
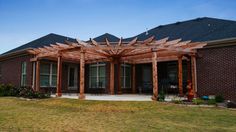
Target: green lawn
x,y
76,115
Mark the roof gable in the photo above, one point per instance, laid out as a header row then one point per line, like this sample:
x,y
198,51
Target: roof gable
x,y
110,37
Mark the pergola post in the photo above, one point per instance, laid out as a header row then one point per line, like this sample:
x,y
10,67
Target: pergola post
x,y
189,70
133,79
180,75
119,77
82,61
59,76
112,71
193,69
37,76
154,75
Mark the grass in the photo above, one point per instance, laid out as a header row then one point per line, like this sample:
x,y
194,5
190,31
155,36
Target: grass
x,y
76,115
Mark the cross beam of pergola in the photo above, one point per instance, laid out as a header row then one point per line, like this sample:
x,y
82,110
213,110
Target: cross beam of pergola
x,y
133,52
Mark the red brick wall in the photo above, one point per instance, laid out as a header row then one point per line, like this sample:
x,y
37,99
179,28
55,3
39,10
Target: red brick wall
x,y
216,72
11,70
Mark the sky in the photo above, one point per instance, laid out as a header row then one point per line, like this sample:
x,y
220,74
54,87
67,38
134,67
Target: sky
x,y
22,21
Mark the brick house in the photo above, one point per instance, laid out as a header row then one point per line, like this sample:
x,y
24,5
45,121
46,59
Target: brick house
x,y
215,64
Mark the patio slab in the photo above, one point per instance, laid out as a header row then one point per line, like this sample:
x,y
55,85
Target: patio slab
x,y
106,97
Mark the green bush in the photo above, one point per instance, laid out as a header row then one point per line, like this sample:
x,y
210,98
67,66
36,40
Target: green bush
x,y
26,92
219,99
162,96
7,90
177,101
198,101
211,102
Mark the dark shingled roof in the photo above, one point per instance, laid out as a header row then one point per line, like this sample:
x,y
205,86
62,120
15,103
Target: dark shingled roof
x,y
110,37
43,41
200,29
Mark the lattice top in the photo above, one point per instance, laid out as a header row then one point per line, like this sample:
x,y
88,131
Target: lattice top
x,y
133,51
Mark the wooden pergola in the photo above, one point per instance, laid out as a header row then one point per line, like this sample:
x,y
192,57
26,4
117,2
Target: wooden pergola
x,y
132,52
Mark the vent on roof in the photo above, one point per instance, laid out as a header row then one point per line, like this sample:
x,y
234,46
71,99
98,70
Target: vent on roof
x,y
146,31
177,23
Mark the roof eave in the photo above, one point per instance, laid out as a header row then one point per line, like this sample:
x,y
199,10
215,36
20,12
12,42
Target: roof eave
x,y
14,54
221,43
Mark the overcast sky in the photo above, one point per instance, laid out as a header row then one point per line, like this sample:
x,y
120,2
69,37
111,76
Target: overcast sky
x,y
22,21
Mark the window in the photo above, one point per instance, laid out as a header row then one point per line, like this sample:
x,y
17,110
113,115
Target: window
x,y
48,75
97,75
125,76
23,74
72,77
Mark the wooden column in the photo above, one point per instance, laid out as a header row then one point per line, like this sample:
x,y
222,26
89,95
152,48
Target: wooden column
x,y
112,71
154,75
180,75
189,70
193,68
119,77
82,61
37,76
59,76
133,79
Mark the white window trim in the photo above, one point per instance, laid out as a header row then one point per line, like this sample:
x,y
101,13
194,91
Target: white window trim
x,y
50,76
33,80
23,73
97,65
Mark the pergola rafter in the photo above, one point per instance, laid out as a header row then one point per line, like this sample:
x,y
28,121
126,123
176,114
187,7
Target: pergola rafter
x,y
134,52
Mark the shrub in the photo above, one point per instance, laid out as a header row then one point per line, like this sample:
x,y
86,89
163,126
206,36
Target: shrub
x,y
26,92
7,90
162,96
211,102
177,101
198,101
219,99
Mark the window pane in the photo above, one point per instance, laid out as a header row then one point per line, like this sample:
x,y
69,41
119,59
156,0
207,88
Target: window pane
x,y
102,82
54,69
23,68
93,71
127,71
127,82
122,71
102,71
44,80
23,80
45,68
93,82
54,80
71,77
122,82
23,74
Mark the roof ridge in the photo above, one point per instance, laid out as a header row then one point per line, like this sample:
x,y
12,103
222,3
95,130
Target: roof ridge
x,y
196,19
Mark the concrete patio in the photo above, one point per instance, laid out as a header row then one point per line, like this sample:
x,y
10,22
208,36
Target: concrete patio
x,y
107,97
